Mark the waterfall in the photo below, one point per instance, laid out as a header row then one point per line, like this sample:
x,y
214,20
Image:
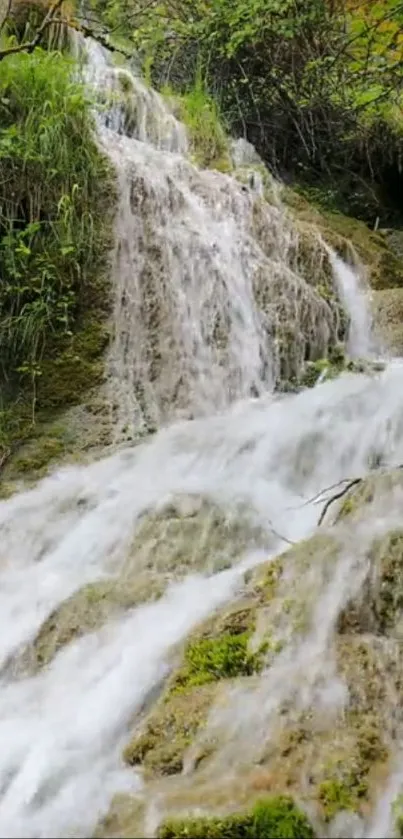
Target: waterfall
x,y
207,288
212,303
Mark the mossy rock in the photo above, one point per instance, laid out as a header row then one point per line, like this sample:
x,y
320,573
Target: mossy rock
x,y
75,368
276,817
378,606
87,610
169,731
337,796
387,307
346,234
336,758
190,532
286,588
218,653
71,373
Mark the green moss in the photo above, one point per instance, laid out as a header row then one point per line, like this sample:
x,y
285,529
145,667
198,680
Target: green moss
x,y
268,580
75,368
335,795
276,817
45,451
212,659
322,368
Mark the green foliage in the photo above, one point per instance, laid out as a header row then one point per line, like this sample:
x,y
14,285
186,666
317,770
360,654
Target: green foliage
x,y
211,659
276,817
315,85
200,113
54,188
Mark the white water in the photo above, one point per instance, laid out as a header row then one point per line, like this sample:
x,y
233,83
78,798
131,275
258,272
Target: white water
x,y
63,729
355,298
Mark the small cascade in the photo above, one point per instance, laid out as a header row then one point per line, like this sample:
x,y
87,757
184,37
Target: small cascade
x,y
354,295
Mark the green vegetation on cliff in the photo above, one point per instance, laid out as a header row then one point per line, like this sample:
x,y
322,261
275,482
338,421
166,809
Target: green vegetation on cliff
x,y
55,190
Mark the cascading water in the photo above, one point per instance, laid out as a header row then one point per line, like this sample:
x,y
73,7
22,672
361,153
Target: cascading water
x,y
354,295
207,274
190,336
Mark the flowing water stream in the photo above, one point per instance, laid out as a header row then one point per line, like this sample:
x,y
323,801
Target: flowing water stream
x,y
189,333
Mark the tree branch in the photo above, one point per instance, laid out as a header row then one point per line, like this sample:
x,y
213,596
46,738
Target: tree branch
x,y
52,17
30,46
100,37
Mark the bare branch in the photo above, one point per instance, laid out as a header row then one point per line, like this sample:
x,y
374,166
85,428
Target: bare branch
x,y
338,495
318,498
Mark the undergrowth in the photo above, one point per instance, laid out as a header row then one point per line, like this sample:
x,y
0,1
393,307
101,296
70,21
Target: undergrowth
x,y
55,189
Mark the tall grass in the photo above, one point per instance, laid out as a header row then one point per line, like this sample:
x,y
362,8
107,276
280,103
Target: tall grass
x,y
202,117
53,193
